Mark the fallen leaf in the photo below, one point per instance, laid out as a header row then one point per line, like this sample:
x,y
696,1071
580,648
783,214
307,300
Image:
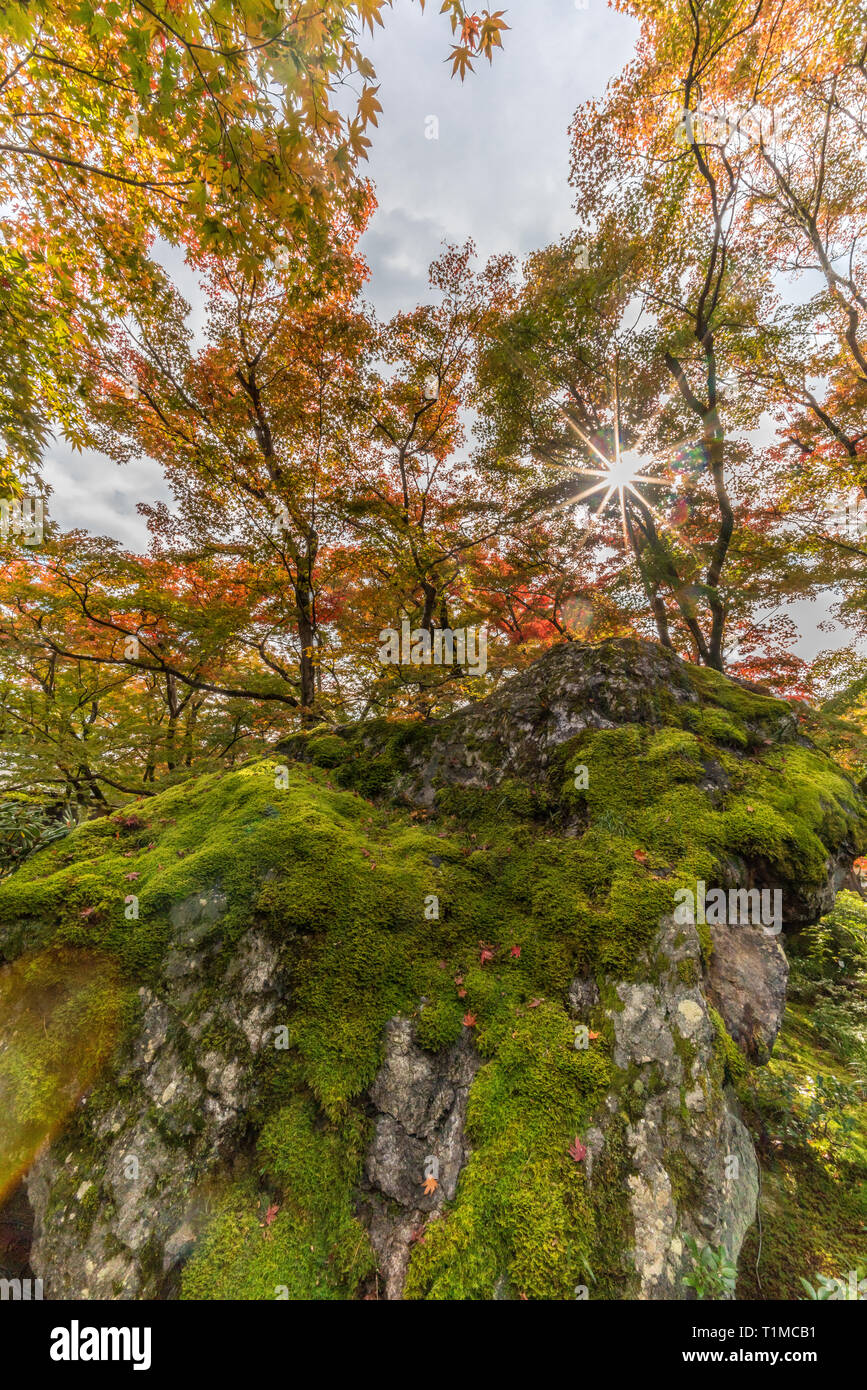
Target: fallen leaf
x,y
515,951
430,1186
469,1020
577,1150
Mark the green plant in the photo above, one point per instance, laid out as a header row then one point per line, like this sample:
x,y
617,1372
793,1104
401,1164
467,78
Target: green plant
x,y
815,1110
851,1289
26,826
712,1274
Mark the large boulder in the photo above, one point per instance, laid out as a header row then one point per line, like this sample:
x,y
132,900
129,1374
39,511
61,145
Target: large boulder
x,y
295,992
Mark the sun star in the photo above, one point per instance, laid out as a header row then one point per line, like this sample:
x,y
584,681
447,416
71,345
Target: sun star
x,y
619,475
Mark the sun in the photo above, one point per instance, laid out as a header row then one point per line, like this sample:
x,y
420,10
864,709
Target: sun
x,y
619,474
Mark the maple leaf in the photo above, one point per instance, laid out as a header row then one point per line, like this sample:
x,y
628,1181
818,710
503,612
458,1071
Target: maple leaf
x,y
88,912
577,1150
534,1003
368,106
462,993
591,1035
640,855
271,1213
485,953
469,1020
470,30
130,877
515,951
430,1186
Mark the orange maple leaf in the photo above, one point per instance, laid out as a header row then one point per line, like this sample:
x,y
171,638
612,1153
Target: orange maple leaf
x,y
430,1186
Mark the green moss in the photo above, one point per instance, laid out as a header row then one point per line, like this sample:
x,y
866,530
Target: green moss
x,y
807,1113
328,751
341,884
291,1233
523,1212
733,1064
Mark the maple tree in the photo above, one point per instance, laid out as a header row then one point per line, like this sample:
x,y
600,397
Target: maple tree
x,y
659,423
735,144
214,126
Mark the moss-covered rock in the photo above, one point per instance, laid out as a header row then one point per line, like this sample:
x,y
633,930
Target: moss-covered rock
x,y
498,881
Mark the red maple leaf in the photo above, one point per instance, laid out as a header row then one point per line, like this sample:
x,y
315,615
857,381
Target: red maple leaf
x,y
515,951
485,953
469,1020
577,1150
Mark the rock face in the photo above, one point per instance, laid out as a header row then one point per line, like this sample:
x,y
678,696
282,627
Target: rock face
x,y
479,979
420,1103
665,1043
747,984
131,1216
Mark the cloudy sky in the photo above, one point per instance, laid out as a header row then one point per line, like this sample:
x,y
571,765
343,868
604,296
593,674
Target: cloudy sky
x,y
488,159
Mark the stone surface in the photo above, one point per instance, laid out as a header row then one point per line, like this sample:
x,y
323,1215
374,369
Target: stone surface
x,y
420,1101
688,1138
747,979
147,1158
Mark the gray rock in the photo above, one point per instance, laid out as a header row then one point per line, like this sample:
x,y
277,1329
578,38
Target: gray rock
x,y
746,983
180,1113
582,997
421,1103
687,1139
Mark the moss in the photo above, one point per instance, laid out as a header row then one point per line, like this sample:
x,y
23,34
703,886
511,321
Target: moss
x,y
340,883
328,751
523,1211
61,1014
733,1064
813,1152
288,1230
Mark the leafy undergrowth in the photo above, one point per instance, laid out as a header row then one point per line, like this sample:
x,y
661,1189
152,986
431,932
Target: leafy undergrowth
x,y
807,1110
474,915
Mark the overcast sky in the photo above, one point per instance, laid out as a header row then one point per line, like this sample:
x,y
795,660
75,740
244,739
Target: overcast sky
x,y
488,159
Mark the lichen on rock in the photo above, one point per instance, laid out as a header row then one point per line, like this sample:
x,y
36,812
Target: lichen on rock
x,y
429,941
